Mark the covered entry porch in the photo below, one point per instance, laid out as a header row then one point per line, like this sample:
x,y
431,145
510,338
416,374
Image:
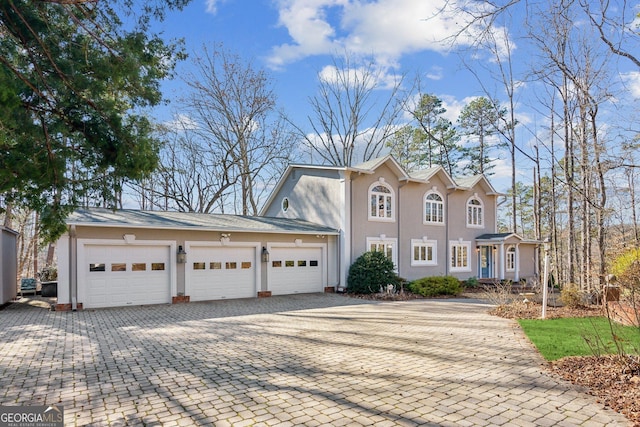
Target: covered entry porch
x,y
499,257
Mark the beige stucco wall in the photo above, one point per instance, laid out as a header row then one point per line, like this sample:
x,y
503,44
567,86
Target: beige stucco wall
x,y
362,227
409,224
180,237
414,227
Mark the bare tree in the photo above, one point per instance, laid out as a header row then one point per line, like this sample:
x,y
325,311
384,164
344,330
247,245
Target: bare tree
x,y
615,26
233,142
351,118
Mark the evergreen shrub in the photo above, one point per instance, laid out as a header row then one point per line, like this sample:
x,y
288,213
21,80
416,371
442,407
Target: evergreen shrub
x,y
436,285
369,272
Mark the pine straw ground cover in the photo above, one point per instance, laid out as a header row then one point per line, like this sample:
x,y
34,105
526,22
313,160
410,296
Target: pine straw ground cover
x,y
613,379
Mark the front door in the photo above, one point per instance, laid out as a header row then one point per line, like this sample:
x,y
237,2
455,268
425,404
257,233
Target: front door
x,y
486,261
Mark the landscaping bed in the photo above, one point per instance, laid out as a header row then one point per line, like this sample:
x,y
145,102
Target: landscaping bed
x,y
614,380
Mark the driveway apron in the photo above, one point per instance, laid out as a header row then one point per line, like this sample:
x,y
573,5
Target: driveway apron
x,y
286,361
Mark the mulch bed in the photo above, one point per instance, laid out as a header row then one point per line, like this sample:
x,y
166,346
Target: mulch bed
x,y
613,379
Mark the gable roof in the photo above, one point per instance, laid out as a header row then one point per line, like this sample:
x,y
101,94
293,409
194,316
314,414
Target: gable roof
x,y
468,182
373,164
425,175
503,237
369,167
129,218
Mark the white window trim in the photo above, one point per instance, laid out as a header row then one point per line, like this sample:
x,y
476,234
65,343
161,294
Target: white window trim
x,y
386,241
393,202
426,243
466,212
510,266
467,246
424,210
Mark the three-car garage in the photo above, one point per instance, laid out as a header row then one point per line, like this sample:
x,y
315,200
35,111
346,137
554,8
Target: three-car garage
x,y
130,258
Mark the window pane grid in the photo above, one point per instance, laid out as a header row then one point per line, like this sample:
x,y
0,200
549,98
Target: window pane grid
x,y
434,208
381,200
474,213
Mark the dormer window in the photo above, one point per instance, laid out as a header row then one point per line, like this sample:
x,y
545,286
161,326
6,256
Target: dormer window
x,y
433,208
475,213
381,202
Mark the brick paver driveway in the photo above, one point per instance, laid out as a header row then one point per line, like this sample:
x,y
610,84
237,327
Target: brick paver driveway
x,y
297,360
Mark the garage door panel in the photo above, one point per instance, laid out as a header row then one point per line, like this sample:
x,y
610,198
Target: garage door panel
x,y
225,272
119,275
295,270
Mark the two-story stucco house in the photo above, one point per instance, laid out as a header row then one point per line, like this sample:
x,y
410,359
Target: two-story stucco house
x,y
317,221
425,221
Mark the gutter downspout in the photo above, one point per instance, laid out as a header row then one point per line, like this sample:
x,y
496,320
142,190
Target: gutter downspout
x,y
446,234
398,224
73,271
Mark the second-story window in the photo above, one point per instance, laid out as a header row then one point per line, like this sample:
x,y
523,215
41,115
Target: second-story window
x,y
433,208
475,213
381,202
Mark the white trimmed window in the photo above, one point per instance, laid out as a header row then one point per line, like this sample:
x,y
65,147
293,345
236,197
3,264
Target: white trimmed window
x,y
511,258
433,208
381,202
460,256
424,252
475,213
384,245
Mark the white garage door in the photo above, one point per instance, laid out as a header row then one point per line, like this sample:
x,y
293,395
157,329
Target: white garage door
x,y
220,272
295,270
119,275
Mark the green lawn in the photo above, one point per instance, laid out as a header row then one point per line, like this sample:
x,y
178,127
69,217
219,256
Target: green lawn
x,y
557,338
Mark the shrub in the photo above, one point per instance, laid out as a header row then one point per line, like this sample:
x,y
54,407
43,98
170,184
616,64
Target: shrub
x,y
472,282
625,261
369,272
437,285
626,269
571,296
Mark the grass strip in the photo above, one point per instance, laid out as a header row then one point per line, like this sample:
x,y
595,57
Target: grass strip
x,y
580,336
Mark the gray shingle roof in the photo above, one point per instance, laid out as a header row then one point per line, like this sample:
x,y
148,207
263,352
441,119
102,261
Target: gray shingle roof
x,y
100,217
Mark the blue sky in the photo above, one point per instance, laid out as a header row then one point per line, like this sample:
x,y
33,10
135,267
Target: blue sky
x,y
295,39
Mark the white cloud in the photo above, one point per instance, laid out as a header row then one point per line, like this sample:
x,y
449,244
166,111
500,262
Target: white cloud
x,y
632,82
436,73
212,6
370,78
181,122
386,29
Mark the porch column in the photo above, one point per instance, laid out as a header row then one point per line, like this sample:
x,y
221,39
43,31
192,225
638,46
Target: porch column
x,y
517,264
501,263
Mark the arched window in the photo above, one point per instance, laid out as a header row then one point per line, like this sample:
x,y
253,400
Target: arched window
x,y
433,208
475,213
381,202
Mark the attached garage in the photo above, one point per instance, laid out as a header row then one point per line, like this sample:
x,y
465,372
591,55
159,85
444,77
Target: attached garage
x,y
220,272
127,257
295,269
120,274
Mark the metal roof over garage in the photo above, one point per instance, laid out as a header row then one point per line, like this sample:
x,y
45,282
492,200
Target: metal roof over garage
x,y
101,217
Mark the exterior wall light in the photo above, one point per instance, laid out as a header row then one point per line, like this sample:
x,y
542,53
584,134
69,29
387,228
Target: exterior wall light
x,y
181,256
265,254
